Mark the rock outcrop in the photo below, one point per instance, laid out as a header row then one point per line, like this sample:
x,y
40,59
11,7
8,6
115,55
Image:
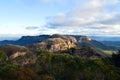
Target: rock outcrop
x,y
57,43
85,39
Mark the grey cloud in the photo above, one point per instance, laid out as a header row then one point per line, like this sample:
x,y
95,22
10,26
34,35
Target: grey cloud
x,y
114,20
32,28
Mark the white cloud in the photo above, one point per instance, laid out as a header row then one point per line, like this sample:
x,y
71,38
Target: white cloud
x,y
91,17
98,17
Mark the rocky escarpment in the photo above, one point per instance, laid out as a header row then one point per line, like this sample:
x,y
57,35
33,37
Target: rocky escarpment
x,y
56,43
59,42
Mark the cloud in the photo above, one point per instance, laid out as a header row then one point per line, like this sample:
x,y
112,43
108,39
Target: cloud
x,y
80,15
62,3
32,28
111,19
89,17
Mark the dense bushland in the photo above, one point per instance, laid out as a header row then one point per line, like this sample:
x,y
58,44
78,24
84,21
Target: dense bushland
x,y
56,66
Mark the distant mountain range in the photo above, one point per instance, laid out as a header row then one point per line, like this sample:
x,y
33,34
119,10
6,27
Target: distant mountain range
x,y
8,38
60,40
24,40
106,38
111,43
75,45
98,38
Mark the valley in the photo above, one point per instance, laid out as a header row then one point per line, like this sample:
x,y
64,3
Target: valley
x,y
55,57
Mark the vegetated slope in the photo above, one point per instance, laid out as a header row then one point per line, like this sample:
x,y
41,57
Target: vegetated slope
x,y
57,42
79,40
10,49
63,43
57,66
18,54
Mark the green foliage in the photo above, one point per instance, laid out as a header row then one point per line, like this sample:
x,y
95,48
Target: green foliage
x,y
67,67
14,72
3,56
51,66
6,68
39,52
22,74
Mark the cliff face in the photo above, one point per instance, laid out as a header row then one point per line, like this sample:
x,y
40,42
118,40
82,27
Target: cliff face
x,y
57,43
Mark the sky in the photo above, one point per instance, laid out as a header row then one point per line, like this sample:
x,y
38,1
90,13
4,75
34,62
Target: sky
x,y
77,17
